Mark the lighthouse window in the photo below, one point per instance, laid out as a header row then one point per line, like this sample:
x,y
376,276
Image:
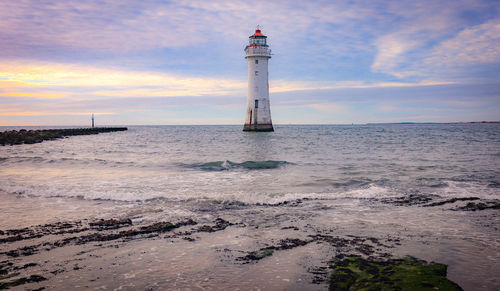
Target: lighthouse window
x,y
256,103
256,61
256,73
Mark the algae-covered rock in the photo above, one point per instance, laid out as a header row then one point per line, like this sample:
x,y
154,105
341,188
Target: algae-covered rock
x,y
220,224
285,244
260,254
356,273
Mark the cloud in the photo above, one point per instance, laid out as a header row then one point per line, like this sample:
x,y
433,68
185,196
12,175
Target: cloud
x,y
37,95
103,25
433,35
50,113
384,107
390,52
95,81
280,86
473,45
329,107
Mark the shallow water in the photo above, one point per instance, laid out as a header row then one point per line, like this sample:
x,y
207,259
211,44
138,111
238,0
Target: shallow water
x,y
350,181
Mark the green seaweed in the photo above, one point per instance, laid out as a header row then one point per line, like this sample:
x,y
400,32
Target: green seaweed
x,y
356,273
260,254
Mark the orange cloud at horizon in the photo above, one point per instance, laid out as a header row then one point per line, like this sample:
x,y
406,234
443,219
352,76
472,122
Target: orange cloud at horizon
x,y
32,113
58,75
56,95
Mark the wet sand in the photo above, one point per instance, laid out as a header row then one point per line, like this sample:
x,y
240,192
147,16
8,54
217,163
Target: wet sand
x,y
290,245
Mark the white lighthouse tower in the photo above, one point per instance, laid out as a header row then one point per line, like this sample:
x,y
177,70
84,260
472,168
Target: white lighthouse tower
x,y
257,53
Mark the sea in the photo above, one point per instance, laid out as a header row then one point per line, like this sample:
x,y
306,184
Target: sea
x,y
433,188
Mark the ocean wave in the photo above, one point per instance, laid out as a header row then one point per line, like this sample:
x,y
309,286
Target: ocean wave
x,y
54,161
228,165
339,184
190,196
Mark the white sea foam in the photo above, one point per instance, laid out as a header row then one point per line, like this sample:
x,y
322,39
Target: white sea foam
x,y
470,189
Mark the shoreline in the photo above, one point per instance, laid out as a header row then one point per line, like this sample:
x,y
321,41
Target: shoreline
x,y
231,244
83,236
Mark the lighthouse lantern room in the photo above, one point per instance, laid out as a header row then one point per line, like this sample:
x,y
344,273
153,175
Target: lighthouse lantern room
x,y
257,53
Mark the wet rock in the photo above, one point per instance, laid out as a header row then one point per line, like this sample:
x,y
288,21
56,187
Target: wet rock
x,y
290,227
206,228
5,268
164,226
22,281
158,227
258,255
42,230
25,266
111,223
472,206
365,249
289,203
284,244
58,271
356,273
235,203
220,224
24,251
320,274
333,241
453,200
18,231
412,199
101,236
290,243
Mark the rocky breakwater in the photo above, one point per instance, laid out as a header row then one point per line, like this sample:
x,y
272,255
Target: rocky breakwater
x,y
23,136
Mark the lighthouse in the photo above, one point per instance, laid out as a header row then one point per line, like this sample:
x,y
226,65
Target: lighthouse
x,y
257,53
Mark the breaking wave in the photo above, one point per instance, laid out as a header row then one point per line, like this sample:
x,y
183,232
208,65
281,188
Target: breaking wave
x,y
248,165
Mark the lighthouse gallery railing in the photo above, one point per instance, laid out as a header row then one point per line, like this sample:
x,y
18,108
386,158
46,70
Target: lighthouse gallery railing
x,y
257,51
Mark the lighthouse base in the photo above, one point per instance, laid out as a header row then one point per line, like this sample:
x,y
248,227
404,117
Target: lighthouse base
x,y
258,127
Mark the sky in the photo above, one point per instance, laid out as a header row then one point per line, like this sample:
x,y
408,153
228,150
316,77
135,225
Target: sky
x,y
154,62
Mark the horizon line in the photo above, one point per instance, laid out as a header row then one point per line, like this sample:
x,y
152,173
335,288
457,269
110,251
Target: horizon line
x,y
276,124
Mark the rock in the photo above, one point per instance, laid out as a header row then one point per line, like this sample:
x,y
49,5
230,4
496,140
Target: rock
x,y
472,206
356,273
14,137
22,281
453,200
111,223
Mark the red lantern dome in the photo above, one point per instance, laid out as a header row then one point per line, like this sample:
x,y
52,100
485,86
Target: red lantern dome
x,y
257,39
